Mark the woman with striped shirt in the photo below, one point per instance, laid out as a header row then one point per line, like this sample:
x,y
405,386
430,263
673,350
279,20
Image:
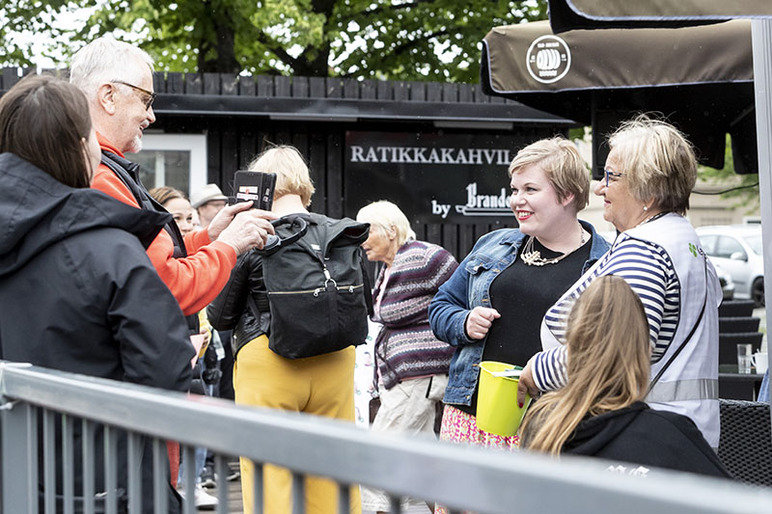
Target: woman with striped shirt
x,y
650,172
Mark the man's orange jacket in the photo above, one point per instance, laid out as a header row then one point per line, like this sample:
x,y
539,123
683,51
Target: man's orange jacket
x,y
194,280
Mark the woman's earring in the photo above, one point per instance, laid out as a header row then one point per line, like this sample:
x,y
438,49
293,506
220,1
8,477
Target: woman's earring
x,y
645,208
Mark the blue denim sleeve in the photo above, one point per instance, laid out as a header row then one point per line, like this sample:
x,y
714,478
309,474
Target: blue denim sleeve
x,y
451,305
449,309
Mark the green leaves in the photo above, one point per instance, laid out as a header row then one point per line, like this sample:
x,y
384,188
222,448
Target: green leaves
x,y
437,40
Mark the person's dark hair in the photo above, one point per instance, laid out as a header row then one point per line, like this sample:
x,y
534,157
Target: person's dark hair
x,y
44,120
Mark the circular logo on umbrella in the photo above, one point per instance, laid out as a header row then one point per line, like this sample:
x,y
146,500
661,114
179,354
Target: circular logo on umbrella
x,y
548,59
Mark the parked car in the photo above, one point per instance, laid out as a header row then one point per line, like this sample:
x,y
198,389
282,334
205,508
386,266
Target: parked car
x,y
737,250
727,284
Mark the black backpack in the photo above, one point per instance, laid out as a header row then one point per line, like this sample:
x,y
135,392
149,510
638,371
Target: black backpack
x,y
317,288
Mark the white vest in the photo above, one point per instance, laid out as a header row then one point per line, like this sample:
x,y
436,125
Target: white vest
x,y
689,385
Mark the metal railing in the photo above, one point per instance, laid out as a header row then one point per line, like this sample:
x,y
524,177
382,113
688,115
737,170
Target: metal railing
x,y
460,477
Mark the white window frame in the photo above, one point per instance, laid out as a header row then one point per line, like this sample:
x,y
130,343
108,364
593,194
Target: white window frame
x,y
193,143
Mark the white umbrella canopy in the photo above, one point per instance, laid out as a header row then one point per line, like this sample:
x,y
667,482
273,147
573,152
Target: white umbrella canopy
x,y
700,77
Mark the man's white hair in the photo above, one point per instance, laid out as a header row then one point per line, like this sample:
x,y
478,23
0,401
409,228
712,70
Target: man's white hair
x,y
104,60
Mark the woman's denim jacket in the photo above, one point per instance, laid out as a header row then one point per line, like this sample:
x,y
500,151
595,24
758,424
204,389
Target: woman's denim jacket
x,y
469,287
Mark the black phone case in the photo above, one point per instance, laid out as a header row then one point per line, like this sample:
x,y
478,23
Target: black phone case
x,y
256,186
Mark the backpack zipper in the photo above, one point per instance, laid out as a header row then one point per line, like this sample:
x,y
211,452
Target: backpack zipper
x,y
315,292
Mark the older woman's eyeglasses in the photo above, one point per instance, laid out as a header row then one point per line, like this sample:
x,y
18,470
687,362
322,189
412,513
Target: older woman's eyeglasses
x,y
611,176
148,96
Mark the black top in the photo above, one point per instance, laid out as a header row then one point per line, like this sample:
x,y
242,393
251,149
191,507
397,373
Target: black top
x,y
522,294
78,291
79,294
641,437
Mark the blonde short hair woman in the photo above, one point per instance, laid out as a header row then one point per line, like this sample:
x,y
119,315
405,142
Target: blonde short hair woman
x,y
659,166
649,173
562,165
492,306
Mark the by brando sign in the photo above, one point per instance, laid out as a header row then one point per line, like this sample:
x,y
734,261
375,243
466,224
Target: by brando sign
x,y
432,177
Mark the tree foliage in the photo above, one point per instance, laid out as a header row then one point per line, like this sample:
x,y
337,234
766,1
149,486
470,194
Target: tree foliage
x,y
436,40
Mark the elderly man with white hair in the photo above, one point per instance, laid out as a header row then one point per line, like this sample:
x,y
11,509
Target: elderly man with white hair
x,y
117,79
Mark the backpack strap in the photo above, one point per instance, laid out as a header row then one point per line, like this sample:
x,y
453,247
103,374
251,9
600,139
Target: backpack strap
x,y
259,304
295,221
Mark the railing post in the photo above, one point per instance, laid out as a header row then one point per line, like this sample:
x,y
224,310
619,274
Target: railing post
x,y
18,486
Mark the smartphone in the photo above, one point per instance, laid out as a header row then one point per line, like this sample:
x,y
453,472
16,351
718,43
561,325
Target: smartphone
x,y
256,186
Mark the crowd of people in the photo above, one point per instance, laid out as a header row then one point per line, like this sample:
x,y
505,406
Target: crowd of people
x,y
618,343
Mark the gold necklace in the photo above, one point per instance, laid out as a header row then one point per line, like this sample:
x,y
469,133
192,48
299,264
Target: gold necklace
x,y
533,257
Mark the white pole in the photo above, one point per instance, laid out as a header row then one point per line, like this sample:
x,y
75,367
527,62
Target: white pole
x,y
762,80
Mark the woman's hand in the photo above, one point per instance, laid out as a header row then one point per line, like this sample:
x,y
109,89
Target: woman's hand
x,y
479,321
527,385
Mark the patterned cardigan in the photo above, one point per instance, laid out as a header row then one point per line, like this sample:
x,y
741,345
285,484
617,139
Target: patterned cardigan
x,y
406,347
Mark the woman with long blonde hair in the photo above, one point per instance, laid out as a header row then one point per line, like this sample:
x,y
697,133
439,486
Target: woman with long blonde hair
x,y
601,411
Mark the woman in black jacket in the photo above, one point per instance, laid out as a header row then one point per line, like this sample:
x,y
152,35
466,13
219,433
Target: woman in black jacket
x,y
78,291
601,412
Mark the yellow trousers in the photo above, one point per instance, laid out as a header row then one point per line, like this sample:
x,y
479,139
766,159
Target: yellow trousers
x,y
321,385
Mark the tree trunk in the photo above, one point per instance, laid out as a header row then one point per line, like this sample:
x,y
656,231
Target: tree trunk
x,y
216,52
315,67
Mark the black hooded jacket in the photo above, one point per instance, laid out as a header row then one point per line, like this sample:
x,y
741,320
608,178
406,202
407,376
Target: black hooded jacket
x,y
77,290
640,436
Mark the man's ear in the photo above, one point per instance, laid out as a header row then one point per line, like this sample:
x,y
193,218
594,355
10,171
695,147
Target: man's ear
x,y
106,98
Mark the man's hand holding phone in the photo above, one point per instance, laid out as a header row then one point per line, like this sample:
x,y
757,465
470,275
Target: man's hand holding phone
x,y
255,186
245,228
244,224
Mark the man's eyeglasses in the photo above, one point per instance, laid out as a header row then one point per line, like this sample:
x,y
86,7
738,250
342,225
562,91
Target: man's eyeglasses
x,y
614,176
149,96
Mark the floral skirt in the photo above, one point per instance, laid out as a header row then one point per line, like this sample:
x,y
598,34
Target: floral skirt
x,y
460,427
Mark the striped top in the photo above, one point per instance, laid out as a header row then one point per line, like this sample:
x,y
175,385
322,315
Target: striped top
x,y
406,347
649,271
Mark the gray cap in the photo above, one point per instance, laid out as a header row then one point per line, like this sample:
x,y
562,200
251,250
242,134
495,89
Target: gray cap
x,y
206,194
